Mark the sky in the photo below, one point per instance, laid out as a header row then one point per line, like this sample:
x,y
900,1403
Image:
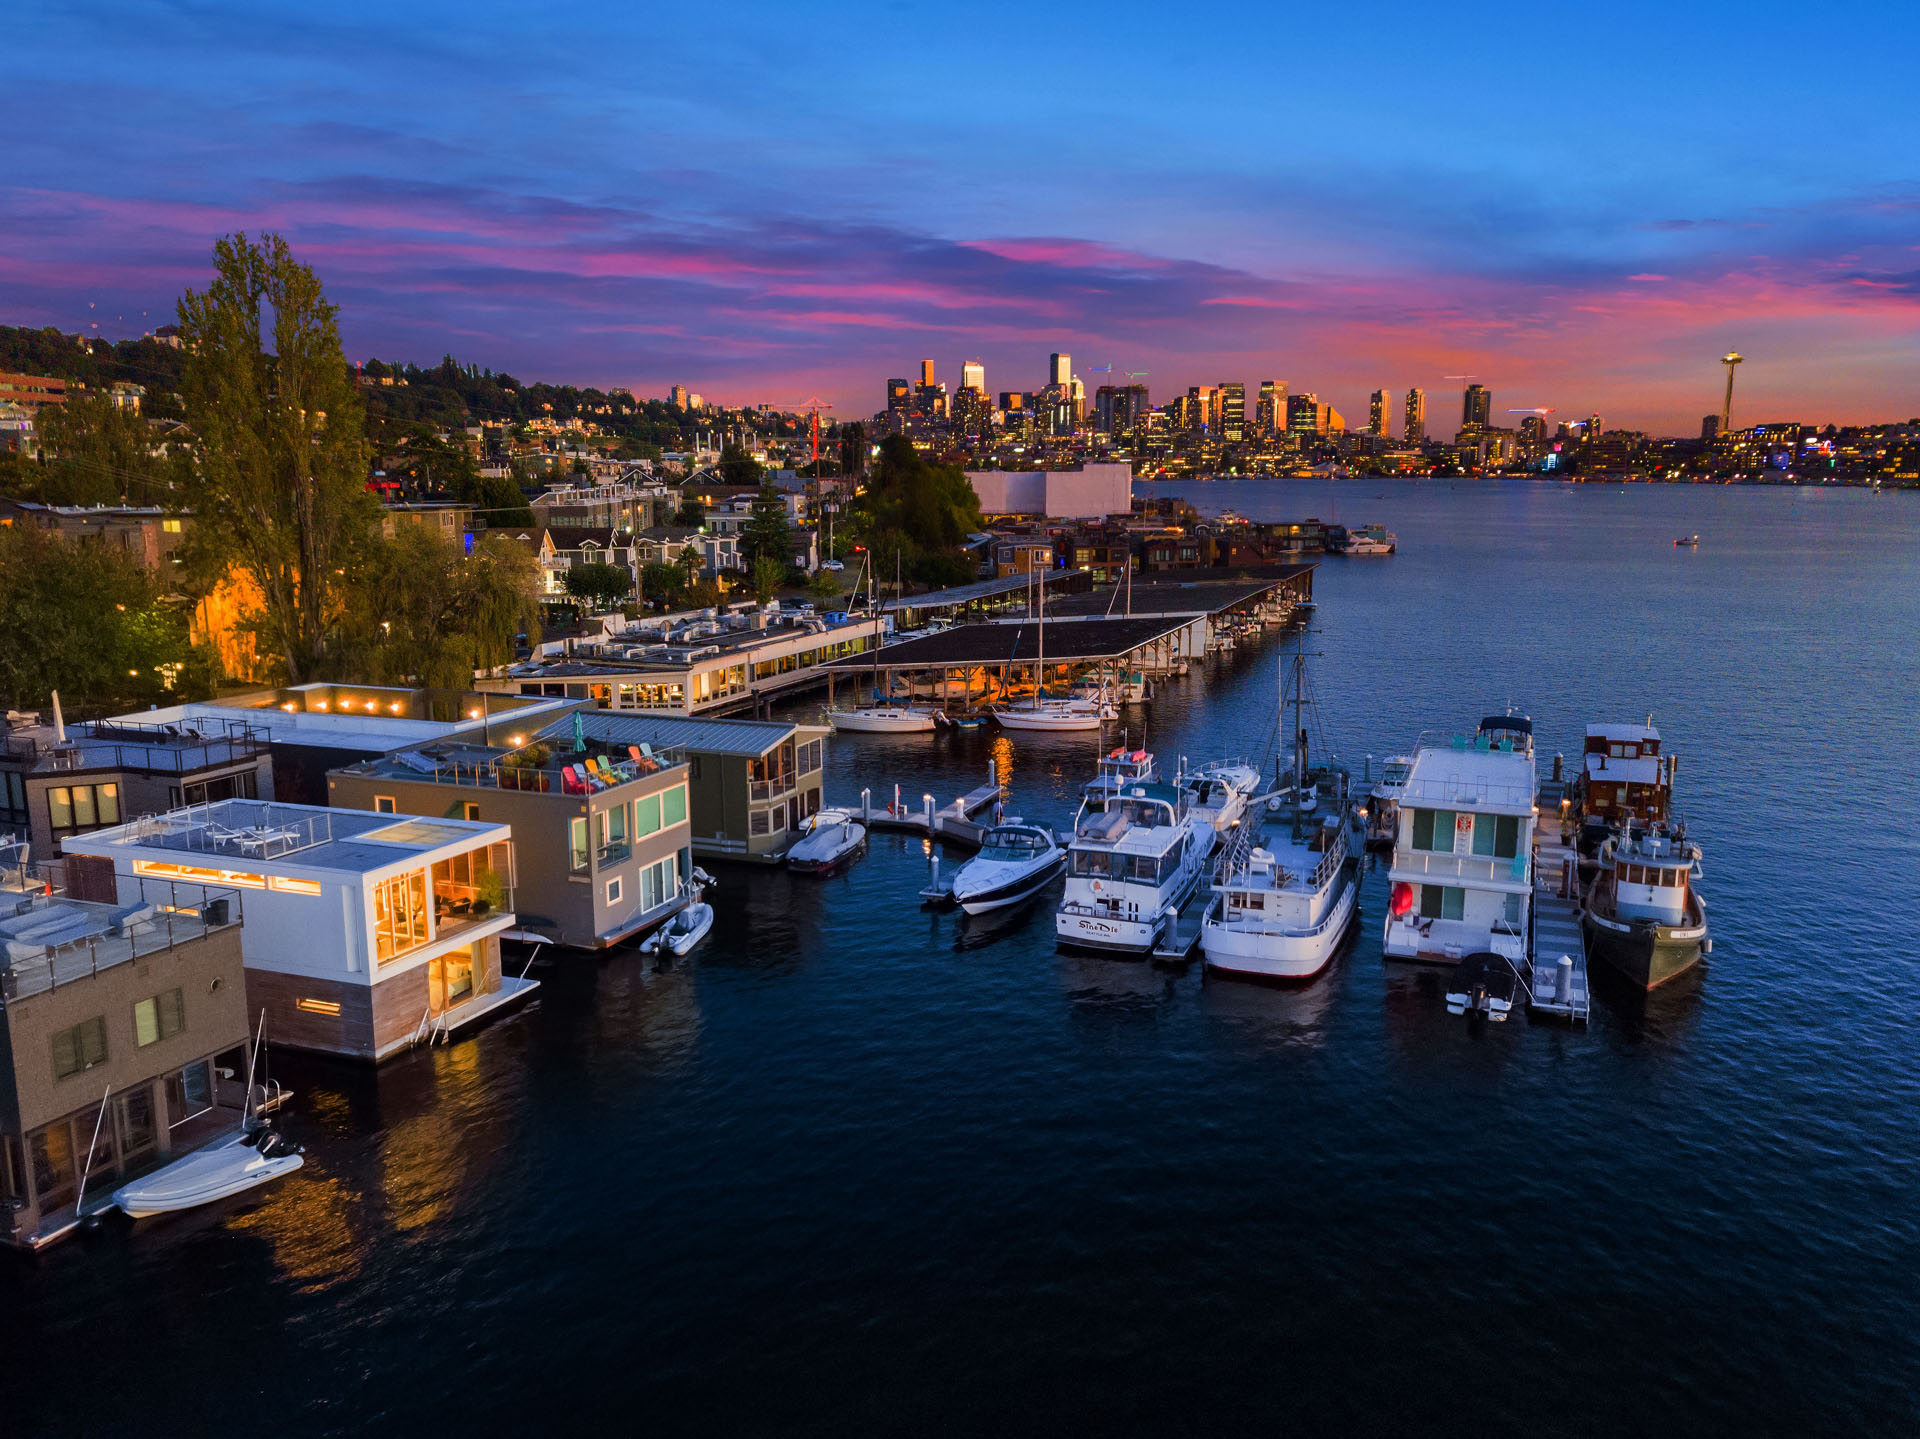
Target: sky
x,y
1583,207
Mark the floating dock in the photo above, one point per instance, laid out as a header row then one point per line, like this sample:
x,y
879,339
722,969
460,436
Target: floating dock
x,y
1181,936
1556,989
953,821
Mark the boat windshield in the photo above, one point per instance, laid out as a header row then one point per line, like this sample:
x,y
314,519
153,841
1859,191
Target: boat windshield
x,y
1013,844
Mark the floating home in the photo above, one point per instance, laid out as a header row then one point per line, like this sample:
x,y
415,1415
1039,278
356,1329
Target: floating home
x,y
365,931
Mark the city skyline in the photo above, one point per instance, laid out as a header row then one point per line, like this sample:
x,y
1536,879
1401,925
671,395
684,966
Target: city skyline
x,y
773,236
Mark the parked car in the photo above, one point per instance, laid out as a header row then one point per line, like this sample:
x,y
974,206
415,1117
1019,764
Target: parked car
x,y
831,565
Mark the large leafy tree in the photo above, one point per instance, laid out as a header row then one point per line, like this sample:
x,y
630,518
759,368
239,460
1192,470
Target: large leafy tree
x,y
767,534
98,454
921,511
426,612
598,584
279,486
737,467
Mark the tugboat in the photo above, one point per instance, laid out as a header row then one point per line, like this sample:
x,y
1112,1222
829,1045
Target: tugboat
x,y
1643,917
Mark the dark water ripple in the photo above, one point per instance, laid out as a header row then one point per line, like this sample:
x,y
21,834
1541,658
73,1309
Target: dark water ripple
x,y
859,1168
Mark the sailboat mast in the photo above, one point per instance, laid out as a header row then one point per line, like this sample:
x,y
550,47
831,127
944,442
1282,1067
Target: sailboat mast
x,y
1040,674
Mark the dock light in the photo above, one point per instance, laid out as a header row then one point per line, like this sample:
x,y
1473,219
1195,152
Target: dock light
x,y
288,706
371,706
394,707
517,739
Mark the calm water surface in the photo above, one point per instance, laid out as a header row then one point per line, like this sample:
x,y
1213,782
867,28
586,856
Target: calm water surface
x,y
853,1167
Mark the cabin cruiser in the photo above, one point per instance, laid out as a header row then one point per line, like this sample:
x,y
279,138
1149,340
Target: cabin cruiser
x,y
1462,869
1371,540
1382,810
1285,897
1218,792
1117,769
1133,861
829,839
884,719
1015,862
1643,917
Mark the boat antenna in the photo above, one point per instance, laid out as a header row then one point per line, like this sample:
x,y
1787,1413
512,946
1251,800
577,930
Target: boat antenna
x,y
253,1056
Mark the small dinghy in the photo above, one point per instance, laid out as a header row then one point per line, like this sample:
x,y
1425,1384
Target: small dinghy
x,y
1484,983
232,1164
683,931
832,837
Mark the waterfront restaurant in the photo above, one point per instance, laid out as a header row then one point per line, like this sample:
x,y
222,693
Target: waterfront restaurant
x,y
600,826
365,931
139,1005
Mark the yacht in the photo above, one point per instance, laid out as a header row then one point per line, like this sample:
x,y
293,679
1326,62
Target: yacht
x,y
829,839
884,719
1115,770
1016,861
1382,810
1371,540
1218,792
1133,861
1461,875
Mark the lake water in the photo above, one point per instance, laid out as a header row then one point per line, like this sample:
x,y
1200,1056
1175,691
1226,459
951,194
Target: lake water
x,y
852,1167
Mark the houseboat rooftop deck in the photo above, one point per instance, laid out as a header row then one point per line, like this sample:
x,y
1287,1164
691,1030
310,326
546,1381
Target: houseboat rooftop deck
x,y
47,940
311,837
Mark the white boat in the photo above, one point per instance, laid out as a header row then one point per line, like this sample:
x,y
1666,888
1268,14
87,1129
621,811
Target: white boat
x,y
1286,892
1382,810
1483,984
1055,715
1016,861
251,1156
683,931
1115,770
884,719
1131,864
1461,877
828,840
1371,540
1219,792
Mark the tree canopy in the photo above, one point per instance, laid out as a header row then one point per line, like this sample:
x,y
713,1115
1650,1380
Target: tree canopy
x,y
737,467
921,511
597,584
424,611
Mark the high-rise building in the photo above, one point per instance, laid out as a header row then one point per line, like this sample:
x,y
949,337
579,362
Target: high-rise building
x,y
1709,428
1533,435
677,397
973,375
1476,407
1306,416
1233,410
1119,408
1270,410
926,373
970,413
1415,428
1380,413
899,396
1060,370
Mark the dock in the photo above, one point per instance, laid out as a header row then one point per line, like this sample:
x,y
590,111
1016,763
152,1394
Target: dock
x,y
954,820
1556,990
1181,936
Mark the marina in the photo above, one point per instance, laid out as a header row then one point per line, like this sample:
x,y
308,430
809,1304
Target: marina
x,y
836,1076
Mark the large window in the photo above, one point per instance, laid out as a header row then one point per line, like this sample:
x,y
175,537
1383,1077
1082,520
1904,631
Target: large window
x,y
1433,830
399,914
189,1093
577,853
1496,835
1440,901
158,1018
82,806
50,1161
646,815
244,785
673,806
80,1047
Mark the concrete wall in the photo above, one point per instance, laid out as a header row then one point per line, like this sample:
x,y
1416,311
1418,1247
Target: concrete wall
x,y
1086,493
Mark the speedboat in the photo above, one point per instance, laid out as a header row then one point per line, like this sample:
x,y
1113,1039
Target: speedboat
x,y
251,1156
682,932
1220,790
1483,983
1015,862
884,719
828,840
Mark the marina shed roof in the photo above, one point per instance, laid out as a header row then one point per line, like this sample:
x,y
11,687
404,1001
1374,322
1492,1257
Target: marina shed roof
x,y
1077,641
1210,595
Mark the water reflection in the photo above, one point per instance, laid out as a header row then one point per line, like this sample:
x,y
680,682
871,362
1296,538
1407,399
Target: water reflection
x,y
1282,1015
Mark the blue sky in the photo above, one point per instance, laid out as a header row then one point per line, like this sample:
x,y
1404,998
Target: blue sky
x,y
1584,206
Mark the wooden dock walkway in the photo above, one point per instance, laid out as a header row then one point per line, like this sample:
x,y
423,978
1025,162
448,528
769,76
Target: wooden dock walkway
x,y
1556,990
952,821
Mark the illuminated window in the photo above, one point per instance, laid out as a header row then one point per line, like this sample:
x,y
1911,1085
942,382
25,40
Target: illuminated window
x,y
238,879
289,885
318,1006
400,914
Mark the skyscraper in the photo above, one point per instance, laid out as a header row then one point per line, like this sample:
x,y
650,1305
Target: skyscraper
x,y
1206,407
677,397
1270,410
1233,410
1709,428
1380,413
1476,407
973,375
899,396
1060,370
926,373
1304,414
1415,429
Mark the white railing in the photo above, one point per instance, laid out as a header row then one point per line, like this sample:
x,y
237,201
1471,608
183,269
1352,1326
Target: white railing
x,y
1449,865
1451,792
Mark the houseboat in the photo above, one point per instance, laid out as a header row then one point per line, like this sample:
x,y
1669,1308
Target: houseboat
x,y
1623,778
1132,862
1461,874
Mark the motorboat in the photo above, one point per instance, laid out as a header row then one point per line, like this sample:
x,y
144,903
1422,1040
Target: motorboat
x,y
1643,917
247,1158
1381,813
1016,861
1220,790
1484,983
1134,860
1371,540
1055,715
1117,769
683,931
884,719
1687,542
829,839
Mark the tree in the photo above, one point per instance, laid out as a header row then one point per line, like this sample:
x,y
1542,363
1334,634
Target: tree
x,y
601,585
767,533
89,621
922,511
737,467
691,514
427,612
98,454
853,449
279,483
765,576
661,582
692,559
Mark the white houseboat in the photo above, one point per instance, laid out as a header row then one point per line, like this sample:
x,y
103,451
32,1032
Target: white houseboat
x,y
1462,859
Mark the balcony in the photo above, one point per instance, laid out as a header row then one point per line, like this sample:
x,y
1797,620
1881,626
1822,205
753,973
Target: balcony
x,y
759,791
472,889
544,767
1440,866
48,940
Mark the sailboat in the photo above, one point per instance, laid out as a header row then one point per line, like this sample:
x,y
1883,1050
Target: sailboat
x,y
1069,714
250,1156
881,718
